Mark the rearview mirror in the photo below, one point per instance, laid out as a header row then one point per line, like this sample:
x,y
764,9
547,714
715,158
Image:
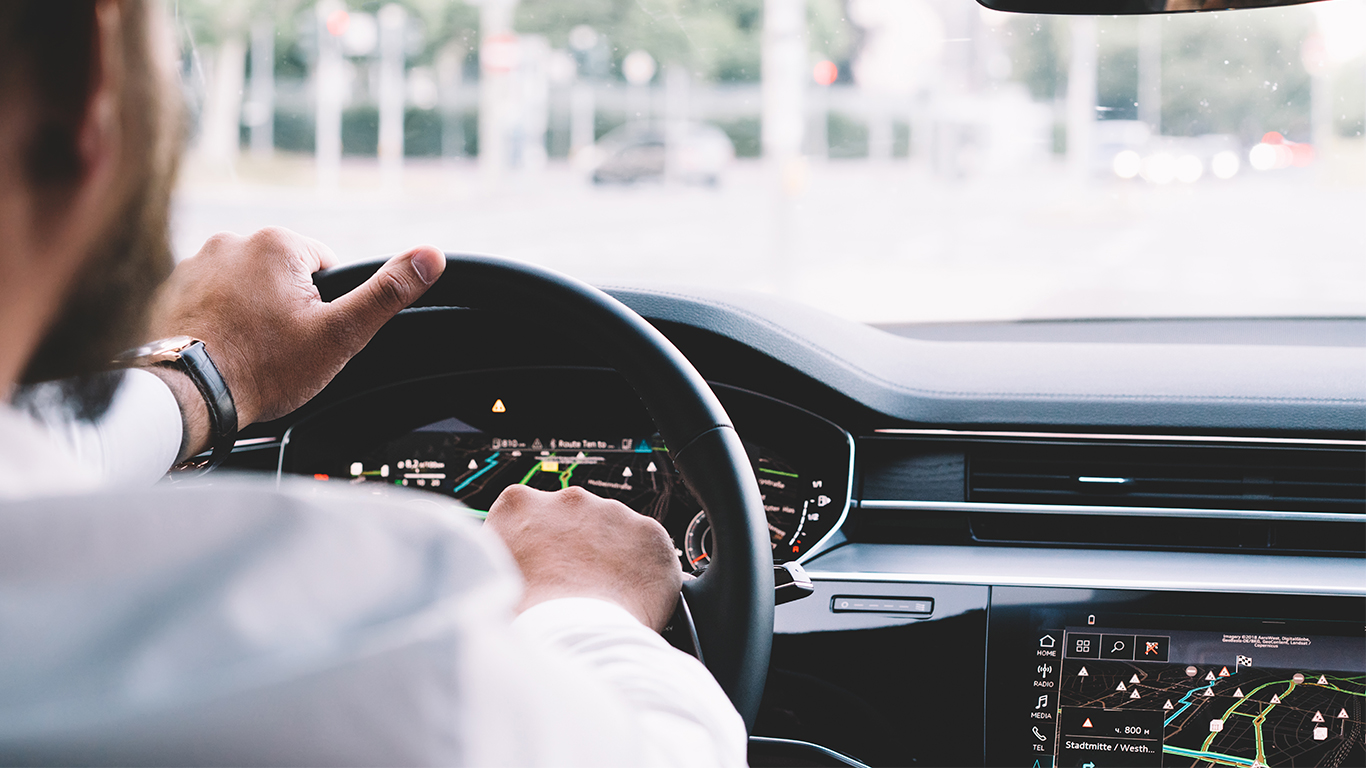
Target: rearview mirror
x,y
1127,7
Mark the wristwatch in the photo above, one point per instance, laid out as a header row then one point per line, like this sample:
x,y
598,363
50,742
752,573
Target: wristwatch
x,y
187,354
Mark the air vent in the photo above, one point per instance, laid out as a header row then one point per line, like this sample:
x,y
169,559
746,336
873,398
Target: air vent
x,y
1304,480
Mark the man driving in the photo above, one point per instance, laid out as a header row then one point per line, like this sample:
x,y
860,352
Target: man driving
x,y
241,622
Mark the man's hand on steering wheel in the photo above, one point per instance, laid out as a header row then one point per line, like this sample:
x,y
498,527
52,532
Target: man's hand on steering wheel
x,y
571,543
277,343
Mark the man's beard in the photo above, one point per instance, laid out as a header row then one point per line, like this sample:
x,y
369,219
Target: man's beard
x,y
106,311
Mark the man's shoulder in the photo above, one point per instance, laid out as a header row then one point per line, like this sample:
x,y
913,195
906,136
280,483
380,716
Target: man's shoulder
x,y
134,617
232,524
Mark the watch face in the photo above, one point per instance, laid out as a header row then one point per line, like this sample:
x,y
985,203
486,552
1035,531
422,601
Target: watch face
x,y
159,351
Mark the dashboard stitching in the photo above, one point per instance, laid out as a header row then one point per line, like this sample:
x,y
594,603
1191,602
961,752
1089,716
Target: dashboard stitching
x,y
1028,395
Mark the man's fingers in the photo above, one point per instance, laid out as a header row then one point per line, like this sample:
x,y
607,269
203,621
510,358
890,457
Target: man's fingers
x,y
400,282
327,258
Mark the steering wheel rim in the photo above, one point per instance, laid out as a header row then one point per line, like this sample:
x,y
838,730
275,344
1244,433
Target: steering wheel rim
x,y
732,602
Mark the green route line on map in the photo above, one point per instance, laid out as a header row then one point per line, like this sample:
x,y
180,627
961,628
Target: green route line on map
x,y
1213,757
1339,690
490,463
534,469
481,514
564,476
792,475
1260,719
1186,704
1257,720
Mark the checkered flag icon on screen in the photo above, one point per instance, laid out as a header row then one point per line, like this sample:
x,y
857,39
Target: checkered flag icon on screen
x,y
1244,661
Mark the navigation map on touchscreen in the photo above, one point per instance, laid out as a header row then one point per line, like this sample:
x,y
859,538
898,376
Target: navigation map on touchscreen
x,y
1205,698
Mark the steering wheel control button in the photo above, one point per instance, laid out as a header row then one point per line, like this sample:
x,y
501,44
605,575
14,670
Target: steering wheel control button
x,y
915,606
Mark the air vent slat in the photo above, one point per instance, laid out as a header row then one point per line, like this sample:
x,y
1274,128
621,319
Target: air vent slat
x,y
1328,480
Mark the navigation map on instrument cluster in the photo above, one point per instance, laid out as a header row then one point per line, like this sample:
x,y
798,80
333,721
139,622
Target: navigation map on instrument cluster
x,y
1207,698
475,467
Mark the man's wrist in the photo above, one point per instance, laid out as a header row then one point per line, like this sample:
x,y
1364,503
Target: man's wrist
x,y
194,413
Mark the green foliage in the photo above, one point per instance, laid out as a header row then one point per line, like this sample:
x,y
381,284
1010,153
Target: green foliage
x,y
294,131
848,135
744,133
1117,75
715,39
1038,54
1237,73
1234,72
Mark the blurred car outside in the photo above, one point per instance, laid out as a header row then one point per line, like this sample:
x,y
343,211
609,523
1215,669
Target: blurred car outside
x,y
690,153
1127,149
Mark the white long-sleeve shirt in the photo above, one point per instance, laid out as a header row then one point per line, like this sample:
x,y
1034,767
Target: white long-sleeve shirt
x,y
241,623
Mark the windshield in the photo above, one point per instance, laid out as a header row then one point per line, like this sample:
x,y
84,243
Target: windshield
x,y
888,161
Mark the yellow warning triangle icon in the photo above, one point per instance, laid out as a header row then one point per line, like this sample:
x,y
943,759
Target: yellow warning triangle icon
x,y
1087,724
498,407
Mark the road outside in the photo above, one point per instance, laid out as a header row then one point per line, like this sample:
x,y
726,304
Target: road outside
x,y
871,242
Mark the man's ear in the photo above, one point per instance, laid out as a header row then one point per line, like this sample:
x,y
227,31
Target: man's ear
x,y
99,136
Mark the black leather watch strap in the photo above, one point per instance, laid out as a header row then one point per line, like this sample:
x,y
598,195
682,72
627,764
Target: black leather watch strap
x,y
195,362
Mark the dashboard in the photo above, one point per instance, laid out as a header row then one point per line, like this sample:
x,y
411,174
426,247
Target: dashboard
x,y
1055,550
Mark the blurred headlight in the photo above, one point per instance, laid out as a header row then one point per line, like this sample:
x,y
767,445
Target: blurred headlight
x,y
1127,164
1224,165
1189,169
1159,168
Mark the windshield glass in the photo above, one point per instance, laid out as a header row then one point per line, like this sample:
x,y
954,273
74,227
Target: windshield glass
x,y
885,160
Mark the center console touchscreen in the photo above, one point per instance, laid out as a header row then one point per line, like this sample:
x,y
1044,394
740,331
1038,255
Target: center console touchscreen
x,y
1093,678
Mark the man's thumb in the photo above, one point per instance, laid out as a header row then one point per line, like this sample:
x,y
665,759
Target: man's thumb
x,y
400,282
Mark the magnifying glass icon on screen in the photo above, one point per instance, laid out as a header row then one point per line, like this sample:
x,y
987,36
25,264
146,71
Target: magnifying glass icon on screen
x,y
1119,646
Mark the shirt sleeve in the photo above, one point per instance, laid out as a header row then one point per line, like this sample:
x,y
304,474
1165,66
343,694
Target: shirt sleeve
x,y
674,705
133,443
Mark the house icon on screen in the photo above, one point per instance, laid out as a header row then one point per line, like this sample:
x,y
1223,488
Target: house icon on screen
x,y
1046,641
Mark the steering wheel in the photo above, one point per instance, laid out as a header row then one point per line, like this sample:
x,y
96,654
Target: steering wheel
x,y
732,602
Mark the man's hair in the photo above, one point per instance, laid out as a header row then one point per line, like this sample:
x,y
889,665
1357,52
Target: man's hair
x,y
48,62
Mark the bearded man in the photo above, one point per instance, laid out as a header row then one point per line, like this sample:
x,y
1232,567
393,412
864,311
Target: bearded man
x,y
245,623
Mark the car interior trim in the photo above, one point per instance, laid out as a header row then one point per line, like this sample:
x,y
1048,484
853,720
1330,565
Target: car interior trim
x,y
1083,509
1092,569
806,745
830,539
1134,438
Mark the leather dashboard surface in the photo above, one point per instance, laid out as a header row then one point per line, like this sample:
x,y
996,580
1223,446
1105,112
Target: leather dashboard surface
x,y
1263,388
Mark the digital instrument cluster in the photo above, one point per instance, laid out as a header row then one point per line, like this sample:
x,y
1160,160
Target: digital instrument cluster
x,y
498,433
